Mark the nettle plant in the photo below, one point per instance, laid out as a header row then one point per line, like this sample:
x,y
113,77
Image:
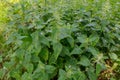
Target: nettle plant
x,y
72,46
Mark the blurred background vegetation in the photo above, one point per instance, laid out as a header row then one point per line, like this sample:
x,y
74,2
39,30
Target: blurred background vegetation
x,y
108,10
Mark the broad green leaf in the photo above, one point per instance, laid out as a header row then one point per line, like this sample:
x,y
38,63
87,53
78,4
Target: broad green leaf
x,y
76,50
71,61
35,58
62,75
40,68
82,76
20,54
91,74
55,34
15,74
27,57
93,51
82,38
64,33
44,54
26,76
112,78
113,56
71,41
84,61
50,69
44,40
99,68
2,72
36,42
94,38
40,72
57,47
29,67
8,65
79,75
65,51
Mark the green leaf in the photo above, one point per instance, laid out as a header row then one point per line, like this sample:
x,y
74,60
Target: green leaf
x,y
112,78
15,74
20,54
76,50
65,51
35,58
55,34
44,54
94,38
29,67
79,75
2,72
36,42
91,74
82,38
0,58
39,73
84,61
93,51
44,40
50,70
91,24
26,76
71,41
8,65
27,57
62,75
99,68
57,47
64,33
113,56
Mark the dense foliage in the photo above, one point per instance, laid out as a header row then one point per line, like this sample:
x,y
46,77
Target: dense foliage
x,y
60,40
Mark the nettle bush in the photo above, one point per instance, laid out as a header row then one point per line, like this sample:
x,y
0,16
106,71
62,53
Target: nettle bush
x,y
74,45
